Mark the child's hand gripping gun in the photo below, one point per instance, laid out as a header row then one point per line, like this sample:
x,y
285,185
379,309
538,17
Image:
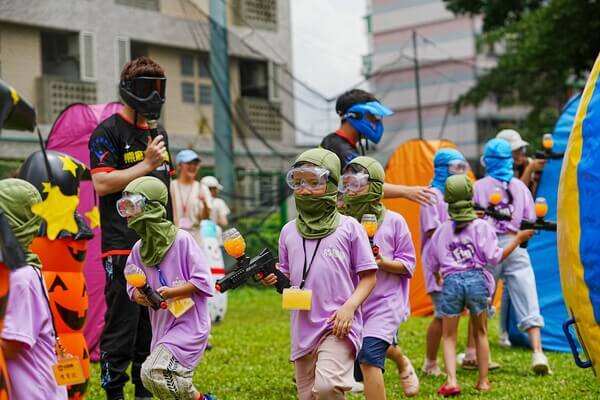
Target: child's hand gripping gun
x,y
369,222
540,224
136,278
494,199
258,267
547,153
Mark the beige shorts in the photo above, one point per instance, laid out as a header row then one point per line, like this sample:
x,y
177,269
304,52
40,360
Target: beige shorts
x,y
166,378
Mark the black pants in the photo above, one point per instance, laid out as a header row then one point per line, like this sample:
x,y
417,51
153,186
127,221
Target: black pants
x,y
127,334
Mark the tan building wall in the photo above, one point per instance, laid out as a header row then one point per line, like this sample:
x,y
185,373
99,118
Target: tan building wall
x,y
21,59
190,10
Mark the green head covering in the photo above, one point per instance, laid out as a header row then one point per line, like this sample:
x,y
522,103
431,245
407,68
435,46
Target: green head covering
x,y
458,193
157,233
318,215
16,198
370,202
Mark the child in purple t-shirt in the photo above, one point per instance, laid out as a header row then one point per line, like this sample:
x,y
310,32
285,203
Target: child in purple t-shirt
x,y
172,263
446,162
387,305
28,337
330,264
459,251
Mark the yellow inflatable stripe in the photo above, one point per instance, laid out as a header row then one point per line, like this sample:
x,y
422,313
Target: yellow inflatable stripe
x,y
569,232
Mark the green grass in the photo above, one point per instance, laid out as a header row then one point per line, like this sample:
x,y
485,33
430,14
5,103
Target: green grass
x,y
251,348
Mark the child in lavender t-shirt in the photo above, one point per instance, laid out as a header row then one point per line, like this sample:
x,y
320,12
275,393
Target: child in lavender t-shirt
x,y
329,255
176,267
28,337
387,306
459,251
446,162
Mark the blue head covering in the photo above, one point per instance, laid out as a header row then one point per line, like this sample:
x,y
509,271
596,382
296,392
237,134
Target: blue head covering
x,y
357,117
497,156
442,159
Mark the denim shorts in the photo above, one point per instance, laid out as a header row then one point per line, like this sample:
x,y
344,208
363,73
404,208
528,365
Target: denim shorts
x,y
436,299
464,289
373,352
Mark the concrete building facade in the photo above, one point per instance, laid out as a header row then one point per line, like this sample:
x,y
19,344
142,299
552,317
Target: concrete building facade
x,y
63,51
449,62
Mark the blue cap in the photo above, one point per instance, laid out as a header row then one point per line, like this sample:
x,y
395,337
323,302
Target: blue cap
x,y
185,156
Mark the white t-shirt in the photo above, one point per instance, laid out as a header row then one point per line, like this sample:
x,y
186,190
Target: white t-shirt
x,y
218,209
187,204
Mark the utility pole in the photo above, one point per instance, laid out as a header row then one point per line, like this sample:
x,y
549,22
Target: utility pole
x,y
219,65
417,83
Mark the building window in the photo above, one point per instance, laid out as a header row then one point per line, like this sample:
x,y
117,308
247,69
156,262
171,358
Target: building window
x,y
368,23
204,94
203,66
254,79
151,5
187,65
60,54
187,92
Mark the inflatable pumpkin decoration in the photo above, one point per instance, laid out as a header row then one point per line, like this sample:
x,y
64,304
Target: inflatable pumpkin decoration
x,y
63,258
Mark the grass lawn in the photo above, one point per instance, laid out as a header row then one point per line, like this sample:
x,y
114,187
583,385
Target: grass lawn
x,y
251,347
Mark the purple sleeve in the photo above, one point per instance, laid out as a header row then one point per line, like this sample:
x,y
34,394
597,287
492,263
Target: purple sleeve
x,y
488,244
429,218
404,250
479,197
528,205
430,261
194,261
26,304
361,254
284,265
133,258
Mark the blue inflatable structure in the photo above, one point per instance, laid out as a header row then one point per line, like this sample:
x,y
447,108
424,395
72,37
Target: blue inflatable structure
x,y
543,247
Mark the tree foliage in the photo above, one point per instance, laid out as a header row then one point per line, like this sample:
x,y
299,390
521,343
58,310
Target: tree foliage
x,y
545,46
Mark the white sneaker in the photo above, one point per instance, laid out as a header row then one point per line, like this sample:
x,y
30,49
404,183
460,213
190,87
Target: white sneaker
x,y
539,364
503,340
357,387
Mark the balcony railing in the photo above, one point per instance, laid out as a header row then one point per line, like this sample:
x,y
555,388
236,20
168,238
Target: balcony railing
x,y
57,93
262,115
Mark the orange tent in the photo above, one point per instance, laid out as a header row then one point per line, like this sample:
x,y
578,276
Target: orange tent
x,y
412,164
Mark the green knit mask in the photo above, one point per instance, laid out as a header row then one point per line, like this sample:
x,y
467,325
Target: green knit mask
x,y
458,193
318,215
157,233
16,198
370,202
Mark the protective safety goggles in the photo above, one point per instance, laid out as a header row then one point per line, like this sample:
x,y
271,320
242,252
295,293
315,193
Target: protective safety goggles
x,y
353,182
458,167
131,205
143,86
308,177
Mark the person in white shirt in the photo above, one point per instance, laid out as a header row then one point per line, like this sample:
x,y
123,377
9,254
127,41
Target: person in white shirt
x,y
219,209
191,199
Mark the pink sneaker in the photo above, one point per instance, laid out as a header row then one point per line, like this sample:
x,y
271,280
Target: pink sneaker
x,y
409,379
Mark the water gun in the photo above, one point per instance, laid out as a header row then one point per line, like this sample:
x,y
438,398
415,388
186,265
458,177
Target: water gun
x,y
257,267
540,224
494,199
369,222
136,278
546,153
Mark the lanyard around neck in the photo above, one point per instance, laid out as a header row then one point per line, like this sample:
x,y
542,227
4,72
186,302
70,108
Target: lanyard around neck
x,y
306,268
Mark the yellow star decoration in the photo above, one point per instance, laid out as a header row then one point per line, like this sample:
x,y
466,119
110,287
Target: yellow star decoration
x,y
46,187
69,165
94,217
58,211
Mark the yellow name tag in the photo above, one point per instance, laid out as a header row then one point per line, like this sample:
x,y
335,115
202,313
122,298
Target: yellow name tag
x,y
68,371
179,306
296,299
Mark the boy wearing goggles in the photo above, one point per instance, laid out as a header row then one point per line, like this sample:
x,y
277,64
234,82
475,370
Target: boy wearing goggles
x,y
387,306
361,117
330,264
173,263
122,148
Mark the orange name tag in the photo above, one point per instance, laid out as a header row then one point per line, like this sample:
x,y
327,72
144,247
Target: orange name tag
x,y
68,371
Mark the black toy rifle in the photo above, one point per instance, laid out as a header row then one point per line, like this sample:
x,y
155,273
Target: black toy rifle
x,y
258,268
492,212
